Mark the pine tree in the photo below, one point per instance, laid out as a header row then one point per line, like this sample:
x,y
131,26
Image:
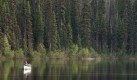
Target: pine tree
x,y
1,42
26,26
86,25
1,32
38,26
68,24
5,17
29,33
111,19
15,36
127,26
60,19
7,48
101,25
6,23
51,27
54,37
94,27
73,20
134,17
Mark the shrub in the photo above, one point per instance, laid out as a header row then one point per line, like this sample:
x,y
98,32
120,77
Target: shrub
x,y
19,53
8,53
34,53
41,49
93,53
73,50
84,52
56,54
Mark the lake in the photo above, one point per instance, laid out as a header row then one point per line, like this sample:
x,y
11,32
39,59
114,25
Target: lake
x,y
69,70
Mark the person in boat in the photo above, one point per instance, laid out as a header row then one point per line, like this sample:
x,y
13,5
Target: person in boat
x,y
26,63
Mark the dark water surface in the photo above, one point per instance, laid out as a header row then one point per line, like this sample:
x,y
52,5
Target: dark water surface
x,y
69,70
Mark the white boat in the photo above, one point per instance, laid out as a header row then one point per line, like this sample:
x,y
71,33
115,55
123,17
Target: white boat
x,y
26,72
27,67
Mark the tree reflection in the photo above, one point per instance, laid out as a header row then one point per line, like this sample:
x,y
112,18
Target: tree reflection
x,y
7,68
69,70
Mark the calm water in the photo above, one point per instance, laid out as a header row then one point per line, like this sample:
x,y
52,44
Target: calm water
x,y
69,70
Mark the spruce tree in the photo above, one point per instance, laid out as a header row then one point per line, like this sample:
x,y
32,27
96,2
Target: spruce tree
x,y
25,18
38,26
94,27
51,28
15,36
85,25
68,24
74,20
127,26
60,19
29,34
5,18
134,17
54,37
1,42
101,25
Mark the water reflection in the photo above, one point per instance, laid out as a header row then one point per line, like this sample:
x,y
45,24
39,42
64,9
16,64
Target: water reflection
x,y
27,73
69,70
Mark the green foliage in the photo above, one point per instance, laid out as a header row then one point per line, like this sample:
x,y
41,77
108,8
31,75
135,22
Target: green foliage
x,y
93,53
19,53
73,50
1,42
7,48
41,49
8,53
34,55
59,24
85,29
56,54
84,52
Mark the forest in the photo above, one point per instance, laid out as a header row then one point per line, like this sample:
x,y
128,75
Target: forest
x,y
74,26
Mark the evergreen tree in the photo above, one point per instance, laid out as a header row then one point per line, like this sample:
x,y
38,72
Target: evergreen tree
x,y
68,24
15,36
53,32
1,33
51,27
127,27
86,25
38,26
101,25
134,17
1,42
26,26
7,48
111,39
6,23
94,27
60,19
119,30
5,18
73,20
29,33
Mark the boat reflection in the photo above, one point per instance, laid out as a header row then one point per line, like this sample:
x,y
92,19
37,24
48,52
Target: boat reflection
x,y
27,73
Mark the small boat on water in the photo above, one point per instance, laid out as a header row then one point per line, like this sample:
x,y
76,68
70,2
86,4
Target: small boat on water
x,y
27,66
28,71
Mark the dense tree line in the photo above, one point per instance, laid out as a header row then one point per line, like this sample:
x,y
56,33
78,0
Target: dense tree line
x,y
105,25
